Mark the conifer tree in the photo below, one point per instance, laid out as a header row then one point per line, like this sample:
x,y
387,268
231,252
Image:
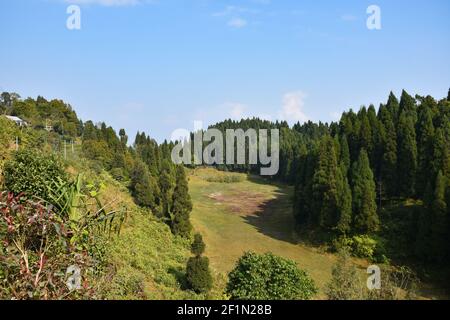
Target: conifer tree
x,y
345,203
388,165
407,155
344,155
198,246
166,185
408,106
364,196
425,134
197,269
144,187
325,191
181,205
393,107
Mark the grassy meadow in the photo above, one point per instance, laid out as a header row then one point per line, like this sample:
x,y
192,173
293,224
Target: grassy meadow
x,y
250,215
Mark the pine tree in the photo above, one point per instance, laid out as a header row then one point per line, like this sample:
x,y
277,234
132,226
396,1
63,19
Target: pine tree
x,y
344,154
345,203
144,187
365,132
408,106
425,134
166,185
375,139
325,191
388,165
181,205
198,246
364,196
393,107
197,269
407,155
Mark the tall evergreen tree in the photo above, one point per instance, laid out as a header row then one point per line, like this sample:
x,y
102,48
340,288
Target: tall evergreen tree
x,y
425,134
408,106
407,155
393,107
181,205
325,190
388,165
197,268
364,198
344,154
166,185
345,203
144,187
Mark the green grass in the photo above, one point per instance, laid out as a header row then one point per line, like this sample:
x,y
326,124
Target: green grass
x,y
251,215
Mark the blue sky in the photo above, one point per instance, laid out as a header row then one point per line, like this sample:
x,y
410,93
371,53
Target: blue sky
x,y
158,65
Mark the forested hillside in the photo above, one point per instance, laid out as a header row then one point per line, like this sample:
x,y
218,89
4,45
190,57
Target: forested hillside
x,y
376,185
59,162
377,181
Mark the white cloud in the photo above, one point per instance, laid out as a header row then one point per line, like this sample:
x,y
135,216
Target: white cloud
x,y
237,23
107,3
293,105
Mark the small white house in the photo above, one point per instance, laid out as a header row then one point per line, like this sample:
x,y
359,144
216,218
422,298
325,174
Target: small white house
x,y
18,121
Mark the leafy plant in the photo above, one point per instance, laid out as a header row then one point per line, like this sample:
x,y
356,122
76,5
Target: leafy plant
x,y
269,277
32,173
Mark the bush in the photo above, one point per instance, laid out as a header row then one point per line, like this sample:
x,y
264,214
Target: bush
x,y
198,246
364,246
198,274
268,277
345,283
33,173
36,251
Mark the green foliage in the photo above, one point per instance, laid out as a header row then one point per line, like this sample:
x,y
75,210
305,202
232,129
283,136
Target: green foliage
x,y
33,173
225,178
144,187
363,246
364,205
37,247
407,155
325,185
345,283
198,275
181,205
198,246
268,277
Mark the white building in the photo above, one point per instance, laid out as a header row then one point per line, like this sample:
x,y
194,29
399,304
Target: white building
x,y
18,121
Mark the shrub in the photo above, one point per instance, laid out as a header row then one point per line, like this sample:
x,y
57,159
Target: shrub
x,y
364,246
35,252
198,274
198,246
268,277
33,173
344,284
